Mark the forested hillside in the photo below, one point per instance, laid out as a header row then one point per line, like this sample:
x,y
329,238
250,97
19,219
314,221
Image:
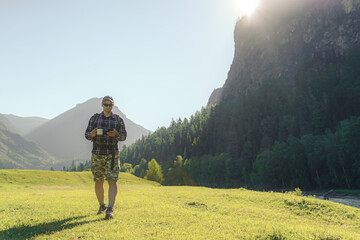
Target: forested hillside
x,y
19,152
270,138
286,118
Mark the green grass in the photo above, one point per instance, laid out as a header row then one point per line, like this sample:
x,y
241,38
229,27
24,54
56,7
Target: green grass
x,y
62,205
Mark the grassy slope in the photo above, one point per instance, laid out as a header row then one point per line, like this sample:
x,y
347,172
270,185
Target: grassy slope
x,y
61,205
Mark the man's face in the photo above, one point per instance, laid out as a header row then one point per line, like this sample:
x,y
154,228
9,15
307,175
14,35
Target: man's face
x,y
107,106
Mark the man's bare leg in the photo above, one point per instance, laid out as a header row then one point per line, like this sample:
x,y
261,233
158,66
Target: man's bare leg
x,y
112,192
112,197
99,190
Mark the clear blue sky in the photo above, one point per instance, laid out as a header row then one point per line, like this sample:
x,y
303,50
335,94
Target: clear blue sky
x,y
159,59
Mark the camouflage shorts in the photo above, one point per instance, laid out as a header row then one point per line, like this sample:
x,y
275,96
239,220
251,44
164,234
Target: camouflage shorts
x,y
101,167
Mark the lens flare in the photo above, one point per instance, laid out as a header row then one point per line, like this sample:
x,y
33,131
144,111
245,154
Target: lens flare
x,y
247,7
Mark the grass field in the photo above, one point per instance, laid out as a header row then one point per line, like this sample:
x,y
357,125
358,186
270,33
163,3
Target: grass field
x,y
62,205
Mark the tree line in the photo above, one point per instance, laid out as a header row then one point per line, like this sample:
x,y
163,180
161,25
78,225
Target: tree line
x,y
77,168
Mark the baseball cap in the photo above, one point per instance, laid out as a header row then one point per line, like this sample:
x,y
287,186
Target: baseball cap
x,y
108,98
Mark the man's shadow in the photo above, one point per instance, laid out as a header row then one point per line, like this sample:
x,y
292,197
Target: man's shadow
x,y
29,231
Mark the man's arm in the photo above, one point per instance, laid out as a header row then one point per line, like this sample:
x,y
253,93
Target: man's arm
x,y
89,132
121,133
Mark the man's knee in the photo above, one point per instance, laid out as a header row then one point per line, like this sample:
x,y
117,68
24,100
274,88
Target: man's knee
x,y
99,182
112,182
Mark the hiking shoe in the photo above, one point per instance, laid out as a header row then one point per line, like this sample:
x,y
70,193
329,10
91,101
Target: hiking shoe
x,y
102,209
109,213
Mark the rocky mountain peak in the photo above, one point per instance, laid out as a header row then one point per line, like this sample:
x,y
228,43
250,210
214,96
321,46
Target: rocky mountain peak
x,y
285,36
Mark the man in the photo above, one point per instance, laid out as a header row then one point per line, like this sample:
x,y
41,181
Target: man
x,y
105,130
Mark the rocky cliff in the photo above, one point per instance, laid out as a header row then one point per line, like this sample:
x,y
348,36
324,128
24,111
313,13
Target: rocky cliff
x,y
284,37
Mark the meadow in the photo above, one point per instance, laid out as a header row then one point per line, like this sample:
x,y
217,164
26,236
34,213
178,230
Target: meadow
x,y
62,205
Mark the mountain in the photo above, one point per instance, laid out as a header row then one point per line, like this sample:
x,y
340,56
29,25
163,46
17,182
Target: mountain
x,y
63,136
288,114
22,125
18,152
284,38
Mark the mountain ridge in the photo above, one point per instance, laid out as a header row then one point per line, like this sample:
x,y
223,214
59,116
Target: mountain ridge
x,y
21,125
63,136
39,143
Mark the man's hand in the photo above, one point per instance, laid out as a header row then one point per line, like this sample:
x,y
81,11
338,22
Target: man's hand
x,y
93,133
111,133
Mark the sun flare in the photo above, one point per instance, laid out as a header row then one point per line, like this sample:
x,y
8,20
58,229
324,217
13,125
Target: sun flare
x,y
247,7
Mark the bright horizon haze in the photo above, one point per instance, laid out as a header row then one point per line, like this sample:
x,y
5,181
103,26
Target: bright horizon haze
x,y
160,60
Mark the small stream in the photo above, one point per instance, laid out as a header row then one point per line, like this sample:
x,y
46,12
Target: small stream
x,y
353,201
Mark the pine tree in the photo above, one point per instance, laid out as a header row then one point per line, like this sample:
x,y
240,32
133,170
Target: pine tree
x,y
72,167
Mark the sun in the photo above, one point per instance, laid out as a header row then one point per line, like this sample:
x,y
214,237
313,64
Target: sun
x,y
247,7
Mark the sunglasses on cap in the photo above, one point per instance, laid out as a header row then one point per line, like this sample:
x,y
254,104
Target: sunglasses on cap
x,y
108,104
